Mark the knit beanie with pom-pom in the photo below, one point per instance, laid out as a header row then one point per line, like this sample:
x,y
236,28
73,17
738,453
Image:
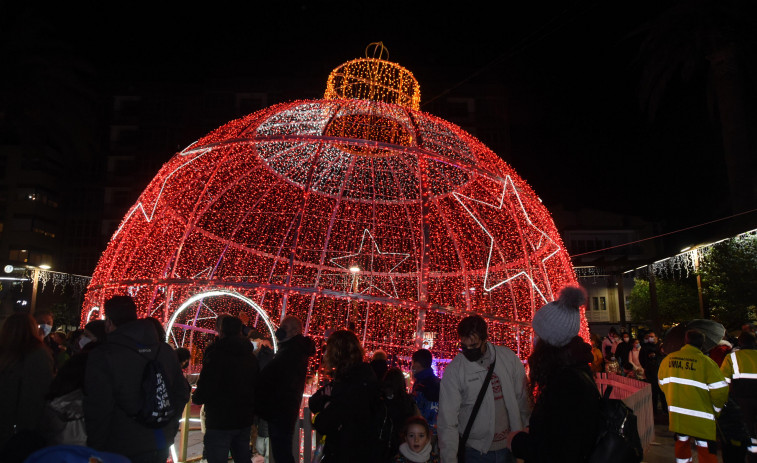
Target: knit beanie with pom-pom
x,y
558,322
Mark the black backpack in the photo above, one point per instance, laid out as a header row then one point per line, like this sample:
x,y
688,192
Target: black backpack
x,y
618,440
158,408
382,429
730,425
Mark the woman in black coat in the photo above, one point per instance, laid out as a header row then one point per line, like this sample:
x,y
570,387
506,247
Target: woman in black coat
x,y
344,407
565,421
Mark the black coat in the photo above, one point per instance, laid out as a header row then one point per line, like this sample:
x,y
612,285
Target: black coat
x,y
345,416
622,351
282,382
565,421
227,384
113,385
650,358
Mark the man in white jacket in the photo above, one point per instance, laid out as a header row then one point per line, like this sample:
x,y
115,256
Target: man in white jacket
x,y
505,405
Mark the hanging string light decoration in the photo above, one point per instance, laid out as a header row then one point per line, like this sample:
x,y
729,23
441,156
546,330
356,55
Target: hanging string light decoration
x,y
355,211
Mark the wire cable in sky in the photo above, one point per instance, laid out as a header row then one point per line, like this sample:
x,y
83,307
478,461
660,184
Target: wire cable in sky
x,y
665,234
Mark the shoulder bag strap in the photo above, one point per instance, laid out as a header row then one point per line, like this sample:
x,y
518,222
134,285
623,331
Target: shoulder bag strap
x,y
477,405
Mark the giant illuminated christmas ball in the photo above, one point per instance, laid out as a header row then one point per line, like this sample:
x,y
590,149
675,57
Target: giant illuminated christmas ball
x,y
355,211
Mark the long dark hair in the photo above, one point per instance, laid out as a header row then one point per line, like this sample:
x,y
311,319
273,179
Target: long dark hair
x,y
18,336
546,359
343,350
394,383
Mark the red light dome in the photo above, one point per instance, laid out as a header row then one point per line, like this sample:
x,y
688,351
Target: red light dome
x,y
356,210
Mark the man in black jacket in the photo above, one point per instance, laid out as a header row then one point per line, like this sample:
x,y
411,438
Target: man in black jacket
x,y
113,386
282,382
227,387
650,358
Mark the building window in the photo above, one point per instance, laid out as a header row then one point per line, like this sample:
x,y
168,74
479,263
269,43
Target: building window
x,y
43,227
19,255
602,303
595,303
38,195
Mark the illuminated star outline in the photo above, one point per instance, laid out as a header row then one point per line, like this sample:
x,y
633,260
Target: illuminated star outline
x,y
378,251
185,152
507,181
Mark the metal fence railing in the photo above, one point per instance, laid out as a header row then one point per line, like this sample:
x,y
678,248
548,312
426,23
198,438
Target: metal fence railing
x,y
634,393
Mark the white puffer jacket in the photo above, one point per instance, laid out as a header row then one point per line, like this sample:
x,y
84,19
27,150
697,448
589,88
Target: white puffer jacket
x,y
460,385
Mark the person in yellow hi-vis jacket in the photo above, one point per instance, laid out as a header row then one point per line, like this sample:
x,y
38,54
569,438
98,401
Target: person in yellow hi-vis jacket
x,y
740,370
695,390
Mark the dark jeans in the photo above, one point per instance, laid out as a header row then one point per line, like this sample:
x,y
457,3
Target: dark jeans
x,y
495,456
658,396
157,456
218,443
281,442
749,410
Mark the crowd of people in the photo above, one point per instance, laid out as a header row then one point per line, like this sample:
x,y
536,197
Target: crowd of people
x,y
89,391
706,392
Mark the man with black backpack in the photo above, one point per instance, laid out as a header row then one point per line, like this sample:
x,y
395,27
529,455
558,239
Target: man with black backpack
x,y
134,388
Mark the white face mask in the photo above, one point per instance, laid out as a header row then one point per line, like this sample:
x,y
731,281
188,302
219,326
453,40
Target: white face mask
x,y
46,329
83,341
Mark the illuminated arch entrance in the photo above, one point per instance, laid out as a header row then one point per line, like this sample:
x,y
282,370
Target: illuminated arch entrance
x,y
96,313
197,316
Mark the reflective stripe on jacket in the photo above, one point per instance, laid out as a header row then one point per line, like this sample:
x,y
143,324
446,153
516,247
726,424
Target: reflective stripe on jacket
x,y
740,371
695,390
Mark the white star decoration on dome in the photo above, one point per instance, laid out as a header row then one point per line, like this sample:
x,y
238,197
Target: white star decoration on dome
x,y
536,246
366,262
139,206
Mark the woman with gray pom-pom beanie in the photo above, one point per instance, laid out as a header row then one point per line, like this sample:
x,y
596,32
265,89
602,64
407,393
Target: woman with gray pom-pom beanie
x,y
565,421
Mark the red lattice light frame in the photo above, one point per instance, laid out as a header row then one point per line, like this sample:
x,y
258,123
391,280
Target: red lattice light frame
x,y
343,212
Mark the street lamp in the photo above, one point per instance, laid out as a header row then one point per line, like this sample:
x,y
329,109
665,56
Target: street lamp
x,y
355,270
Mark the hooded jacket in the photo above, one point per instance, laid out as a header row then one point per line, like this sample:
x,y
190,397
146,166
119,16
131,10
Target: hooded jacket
x,y
282,381
227,383
113,383
695,390
460,385
426,394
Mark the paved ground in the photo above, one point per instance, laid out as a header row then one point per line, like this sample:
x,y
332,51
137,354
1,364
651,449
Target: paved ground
x,y
660,451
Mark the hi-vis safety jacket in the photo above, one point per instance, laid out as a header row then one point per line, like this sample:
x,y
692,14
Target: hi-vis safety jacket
x,y
695,390
740,371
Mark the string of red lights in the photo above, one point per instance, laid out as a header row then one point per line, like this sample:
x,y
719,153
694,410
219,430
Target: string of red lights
x,y
354,211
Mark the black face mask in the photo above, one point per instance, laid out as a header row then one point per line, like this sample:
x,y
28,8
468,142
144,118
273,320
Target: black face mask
x,y
473,354
281,333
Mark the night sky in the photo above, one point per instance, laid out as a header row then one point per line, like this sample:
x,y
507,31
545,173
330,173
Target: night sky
x,y
572,75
